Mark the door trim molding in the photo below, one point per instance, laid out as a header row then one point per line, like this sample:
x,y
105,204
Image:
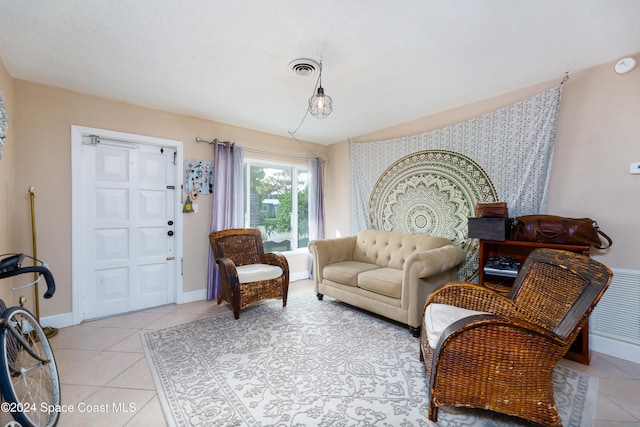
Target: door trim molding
x,y
77,222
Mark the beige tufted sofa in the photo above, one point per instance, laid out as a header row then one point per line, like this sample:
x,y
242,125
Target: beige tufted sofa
x,y
387,273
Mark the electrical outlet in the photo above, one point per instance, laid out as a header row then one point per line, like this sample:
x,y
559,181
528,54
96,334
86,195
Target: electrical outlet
x,y
635,168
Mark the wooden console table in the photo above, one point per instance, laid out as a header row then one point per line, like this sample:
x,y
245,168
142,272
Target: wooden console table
x,y
579,351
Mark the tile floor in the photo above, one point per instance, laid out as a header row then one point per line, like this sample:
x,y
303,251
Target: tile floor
x,y
101,363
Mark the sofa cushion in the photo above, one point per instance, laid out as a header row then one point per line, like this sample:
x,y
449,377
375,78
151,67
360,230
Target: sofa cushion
x,y
346,272
438,317
385,281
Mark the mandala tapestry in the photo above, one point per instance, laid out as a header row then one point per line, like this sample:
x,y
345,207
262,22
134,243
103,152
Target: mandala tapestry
x,y
505,155
432,192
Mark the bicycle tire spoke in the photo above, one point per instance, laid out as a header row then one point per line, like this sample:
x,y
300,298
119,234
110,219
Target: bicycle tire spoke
x,y
31,376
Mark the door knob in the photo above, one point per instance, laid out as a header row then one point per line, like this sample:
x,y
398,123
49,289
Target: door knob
x,y
170,232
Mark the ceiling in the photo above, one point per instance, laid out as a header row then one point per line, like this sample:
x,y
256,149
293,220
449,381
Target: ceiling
x,y
384,62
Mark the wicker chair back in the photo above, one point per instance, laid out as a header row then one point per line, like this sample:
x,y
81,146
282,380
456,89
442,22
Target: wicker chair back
x,y
555,296
242,245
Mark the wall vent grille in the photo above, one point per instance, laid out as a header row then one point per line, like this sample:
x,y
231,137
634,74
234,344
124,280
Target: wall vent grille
x,y
617,315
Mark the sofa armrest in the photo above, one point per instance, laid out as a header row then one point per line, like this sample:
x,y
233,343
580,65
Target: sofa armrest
x,y
329,251
422,273
434,261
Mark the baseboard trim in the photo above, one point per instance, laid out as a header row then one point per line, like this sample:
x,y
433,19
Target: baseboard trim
x,y
615,348
58,320
300,275
191,296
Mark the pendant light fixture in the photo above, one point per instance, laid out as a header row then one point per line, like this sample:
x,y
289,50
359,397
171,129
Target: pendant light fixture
x,y
320,105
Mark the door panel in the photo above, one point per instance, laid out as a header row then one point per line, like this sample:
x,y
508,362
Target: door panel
x,y
111,285
129,209
152,242
153,278
112,244
111,165
112,204
152,205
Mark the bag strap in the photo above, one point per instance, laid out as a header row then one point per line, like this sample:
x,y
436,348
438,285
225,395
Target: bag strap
x,y
603,234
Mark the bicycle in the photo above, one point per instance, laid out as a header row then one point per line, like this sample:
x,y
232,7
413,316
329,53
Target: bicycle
x,y
28,374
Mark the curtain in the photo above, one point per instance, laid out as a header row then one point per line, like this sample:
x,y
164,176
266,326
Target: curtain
x,y
316,199
316,203
227,200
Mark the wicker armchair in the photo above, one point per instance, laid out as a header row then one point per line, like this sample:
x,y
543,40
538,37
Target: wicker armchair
x,y
502,357
247,274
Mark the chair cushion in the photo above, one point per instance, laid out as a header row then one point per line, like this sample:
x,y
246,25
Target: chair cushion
x,y
385,281
346,272
438,317
257,272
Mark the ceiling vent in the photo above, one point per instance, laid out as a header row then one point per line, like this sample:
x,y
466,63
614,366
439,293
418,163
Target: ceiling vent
x,y
304,67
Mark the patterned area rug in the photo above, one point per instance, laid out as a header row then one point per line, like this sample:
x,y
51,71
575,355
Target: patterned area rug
x,y
318,363
432,192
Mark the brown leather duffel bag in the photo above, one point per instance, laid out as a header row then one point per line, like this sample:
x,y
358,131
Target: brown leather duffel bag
x,y
560,230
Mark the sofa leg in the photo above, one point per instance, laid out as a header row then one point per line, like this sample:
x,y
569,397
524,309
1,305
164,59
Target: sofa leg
x,y
320,296
415,331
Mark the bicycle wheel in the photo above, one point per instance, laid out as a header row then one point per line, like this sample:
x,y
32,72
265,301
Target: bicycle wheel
x,y
28,373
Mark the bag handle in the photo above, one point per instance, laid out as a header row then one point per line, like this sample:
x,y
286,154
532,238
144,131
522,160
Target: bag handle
x,y
549,234
603,234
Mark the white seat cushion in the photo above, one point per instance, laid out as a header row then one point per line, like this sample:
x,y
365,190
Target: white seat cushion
x,y
257,272
438,317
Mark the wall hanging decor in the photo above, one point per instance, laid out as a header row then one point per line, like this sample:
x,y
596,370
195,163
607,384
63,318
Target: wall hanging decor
x,y
432,192
4,123
198,177
430,182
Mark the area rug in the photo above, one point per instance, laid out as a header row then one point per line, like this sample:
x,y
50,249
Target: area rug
x,y
313,363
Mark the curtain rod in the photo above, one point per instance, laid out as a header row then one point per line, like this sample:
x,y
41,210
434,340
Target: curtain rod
x,y
253,150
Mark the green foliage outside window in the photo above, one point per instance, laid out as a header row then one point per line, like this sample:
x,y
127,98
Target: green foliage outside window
x,y
270,202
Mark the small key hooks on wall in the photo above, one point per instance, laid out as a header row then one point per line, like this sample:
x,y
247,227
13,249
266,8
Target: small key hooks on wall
x,y
198,177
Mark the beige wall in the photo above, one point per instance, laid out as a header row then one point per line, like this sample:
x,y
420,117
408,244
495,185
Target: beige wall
x,y
7,179
598,136
43,119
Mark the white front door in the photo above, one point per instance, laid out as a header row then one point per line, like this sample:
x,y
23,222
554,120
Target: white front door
x,y
129,215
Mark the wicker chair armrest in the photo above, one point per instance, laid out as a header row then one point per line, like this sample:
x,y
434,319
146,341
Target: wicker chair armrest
x,y
495,357
499,332
228,268
474,297
271,258
276,259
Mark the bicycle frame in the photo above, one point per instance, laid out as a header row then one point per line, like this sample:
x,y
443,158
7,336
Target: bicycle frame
x,y
25,382
18,336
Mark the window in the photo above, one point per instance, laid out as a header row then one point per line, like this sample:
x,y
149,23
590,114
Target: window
x,y
276,202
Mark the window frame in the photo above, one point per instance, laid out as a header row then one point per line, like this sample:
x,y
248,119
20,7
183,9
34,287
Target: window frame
x,y
296,169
